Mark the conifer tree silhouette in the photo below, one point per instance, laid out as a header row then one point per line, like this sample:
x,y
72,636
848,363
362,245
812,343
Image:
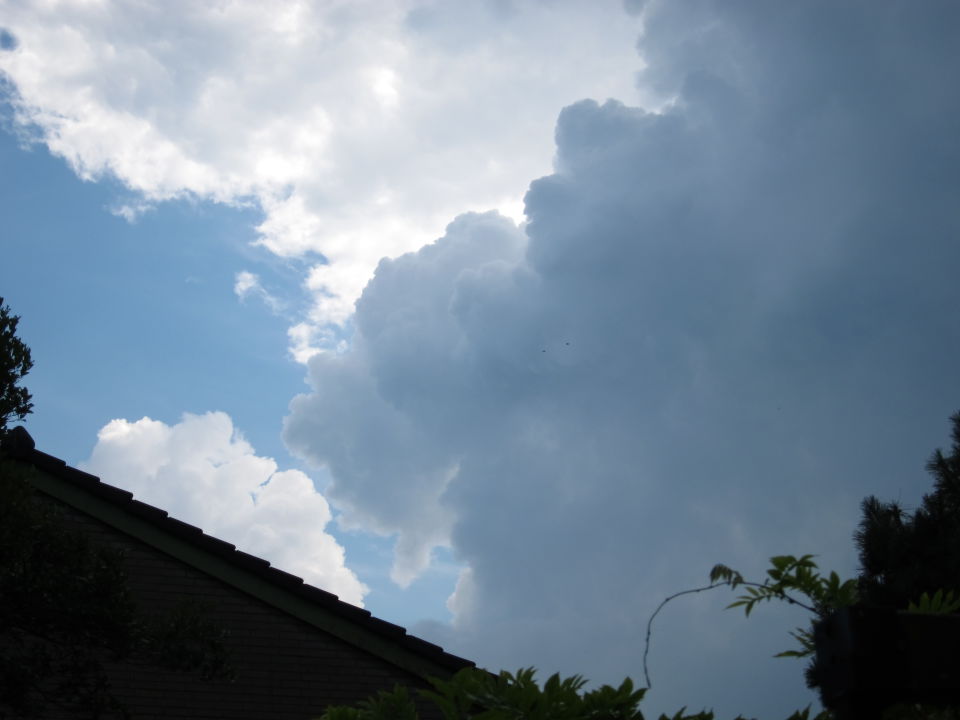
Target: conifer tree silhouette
x,y
904,555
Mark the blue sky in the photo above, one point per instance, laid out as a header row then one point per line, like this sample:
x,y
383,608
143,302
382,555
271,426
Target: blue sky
x,y
121,317
119,314
505,319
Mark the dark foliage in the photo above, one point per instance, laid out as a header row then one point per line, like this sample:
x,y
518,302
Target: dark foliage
x,y
904,555
15,362
474,694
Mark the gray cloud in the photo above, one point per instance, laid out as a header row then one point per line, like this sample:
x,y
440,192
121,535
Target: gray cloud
x,y
375,413
721,326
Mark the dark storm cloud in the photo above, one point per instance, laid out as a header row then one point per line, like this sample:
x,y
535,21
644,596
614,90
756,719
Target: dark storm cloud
x,y
729,322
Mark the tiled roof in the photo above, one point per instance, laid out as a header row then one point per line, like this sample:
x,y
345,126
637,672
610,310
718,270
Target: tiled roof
x,y
19,445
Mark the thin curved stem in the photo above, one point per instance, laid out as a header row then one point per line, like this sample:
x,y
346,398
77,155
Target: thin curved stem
x,y
646,648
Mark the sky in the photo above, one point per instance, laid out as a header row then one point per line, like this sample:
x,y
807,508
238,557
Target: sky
x,y
503,319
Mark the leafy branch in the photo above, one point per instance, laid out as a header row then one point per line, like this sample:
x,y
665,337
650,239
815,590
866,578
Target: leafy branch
x,y
789,574
787,579
939,604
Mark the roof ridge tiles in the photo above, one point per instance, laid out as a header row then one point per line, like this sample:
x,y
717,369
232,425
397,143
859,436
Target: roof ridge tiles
x,y
282,577
221,547
319,594
178,527
388,627
147,511
245,558
124,496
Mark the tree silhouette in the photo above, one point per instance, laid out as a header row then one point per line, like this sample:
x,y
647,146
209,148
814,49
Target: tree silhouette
x,y
15,362
904,555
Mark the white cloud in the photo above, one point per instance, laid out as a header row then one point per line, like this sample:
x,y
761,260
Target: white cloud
x,y
247,283
358,127
131,211
720,328
203,472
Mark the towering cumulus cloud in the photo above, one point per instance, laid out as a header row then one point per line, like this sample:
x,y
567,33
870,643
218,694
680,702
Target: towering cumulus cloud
x,y
722,325
388,417
202,472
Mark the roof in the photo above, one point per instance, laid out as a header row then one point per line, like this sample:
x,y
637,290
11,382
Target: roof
x,y
253,575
